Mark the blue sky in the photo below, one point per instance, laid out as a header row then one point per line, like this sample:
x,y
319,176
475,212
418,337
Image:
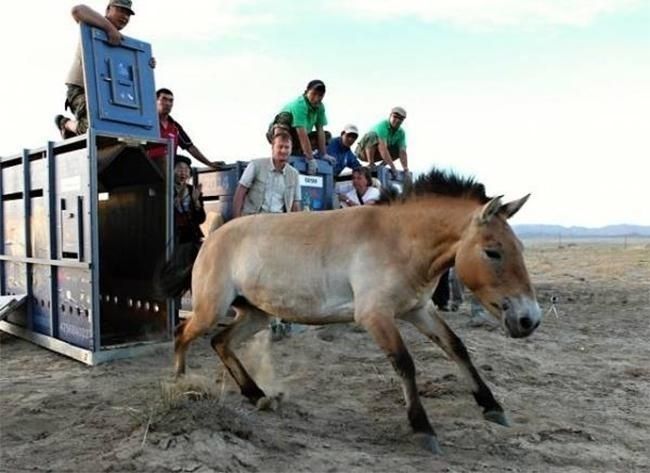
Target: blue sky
x,y
550,97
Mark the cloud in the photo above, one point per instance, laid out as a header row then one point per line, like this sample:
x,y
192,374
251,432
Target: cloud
x,y
487,14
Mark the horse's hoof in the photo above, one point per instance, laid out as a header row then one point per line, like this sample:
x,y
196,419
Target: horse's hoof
x,y
498,417
268,403
429,443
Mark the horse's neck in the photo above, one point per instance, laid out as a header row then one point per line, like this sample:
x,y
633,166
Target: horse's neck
x,y
439,225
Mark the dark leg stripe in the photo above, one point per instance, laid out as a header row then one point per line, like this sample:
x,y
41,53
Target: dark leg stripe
x,y
483,396
403,364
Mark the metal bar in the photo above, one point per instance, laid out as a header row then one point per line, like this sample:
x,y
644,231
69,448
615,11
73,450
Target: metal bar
x,y
81,354
45,261
93,211
3,288
27,206
172,306
50,195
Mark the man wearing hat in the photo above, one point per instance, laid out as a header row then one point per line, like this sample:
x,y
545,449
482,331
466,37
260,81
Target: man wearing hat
x,y
385,141
340,149
300,117
117,16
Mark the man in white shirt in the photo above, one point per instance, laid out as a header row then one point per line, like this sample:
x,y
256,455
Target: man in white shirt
x,y
363,193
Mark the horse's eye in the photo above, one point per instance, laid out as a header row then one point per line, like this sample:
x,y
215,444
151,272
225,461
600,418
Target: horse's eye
x,y
493,254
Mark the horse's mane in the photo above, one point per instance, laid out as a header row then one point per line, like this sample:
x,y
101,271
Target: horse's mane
x,y
437,182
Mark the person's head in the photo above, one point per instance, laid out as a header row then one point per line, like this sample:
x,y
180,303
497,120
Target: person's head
x,y
349,135
119,12
397,116
315,92
361,179
164,101
280,148
182,169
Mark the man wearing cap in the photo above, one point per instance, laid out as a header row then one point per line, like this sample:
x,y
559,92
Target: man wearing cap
x,y
300,117
117,16
171,129
269,185
385,141
340,149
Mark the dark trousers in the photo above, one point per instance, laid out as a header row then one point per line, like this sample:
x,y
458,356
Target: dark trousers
x,y
441,294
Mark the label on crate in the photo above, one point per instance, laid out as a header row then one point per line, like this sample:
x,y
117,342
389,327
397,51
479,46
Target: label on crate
x,y
310,181
72,183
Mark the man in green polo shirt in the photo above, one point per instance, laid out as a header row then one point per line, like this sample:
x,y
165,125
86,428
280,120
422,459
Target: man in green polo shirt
x,y
301,116
385,141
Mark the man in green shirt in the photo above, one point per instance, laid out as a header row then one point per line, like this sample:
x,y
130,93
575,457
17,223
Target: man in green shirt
x,y
300,117
385,141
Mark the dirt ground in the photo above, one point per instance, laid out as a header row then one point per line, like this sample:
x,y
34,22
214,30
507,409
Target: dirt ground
x,y
577,392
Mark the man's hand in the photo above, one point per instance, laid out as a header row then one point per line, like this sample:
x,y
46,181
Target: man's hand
x,y
152,62
329,158
196,194
114,36
312,166
217,164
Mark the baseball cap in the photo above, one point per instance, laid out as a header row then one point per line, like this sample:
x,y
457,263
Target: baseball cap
x,y
398,111
317,84
350,128
180,158
122,3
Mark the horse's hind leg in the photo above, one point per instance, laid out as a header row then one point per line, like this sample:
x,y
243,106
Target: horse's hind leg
x,y
203,317
248,322
434,327
387,336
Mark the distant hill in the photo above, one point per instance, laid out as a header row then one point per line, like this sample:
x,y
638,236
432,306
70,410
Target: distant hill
x,y
577,232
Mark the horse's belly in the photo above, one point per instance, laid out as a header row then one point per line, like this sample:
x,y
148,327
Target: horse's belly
x,y
300,308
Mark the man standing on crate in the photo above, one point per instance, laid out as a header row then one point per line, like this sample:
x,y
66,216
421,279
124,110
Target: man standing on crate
x,y
171,129
117,16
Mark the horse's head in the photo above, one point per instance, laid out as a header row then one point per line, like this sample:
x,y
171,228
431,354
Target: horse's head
x,y
489,261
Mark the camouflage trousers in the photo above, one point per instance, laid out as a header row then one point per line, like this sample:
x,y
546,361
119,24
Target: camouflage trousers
x,y
76,102
368,145
284,121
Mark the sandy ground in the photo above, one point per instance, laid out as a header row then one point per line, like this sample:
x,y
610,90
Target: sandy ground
x,y
577,393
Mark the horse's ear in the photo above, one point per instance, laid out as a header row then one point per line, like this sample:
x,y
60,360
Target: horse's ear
x,y
490,210
513,207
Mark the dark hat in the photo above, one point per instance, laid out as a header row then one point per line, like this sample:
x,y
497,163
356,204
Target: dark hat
x,y
182,159
127,4
316,84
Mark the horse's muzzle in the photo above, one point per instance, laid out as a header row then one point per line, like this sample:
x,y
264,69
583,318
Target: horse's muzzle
x,y
522,315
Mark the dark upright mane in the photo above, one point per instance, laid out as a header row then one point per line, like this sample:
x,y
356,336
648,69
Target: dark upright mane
x,y
438,182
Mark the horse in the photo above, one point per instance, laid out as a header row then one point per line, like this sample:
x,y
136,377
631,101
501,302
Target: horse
x,y
371,265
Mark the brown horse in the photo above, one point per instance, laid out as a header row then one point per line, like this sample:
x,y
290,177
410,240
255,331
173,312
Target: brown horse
x,y
369,265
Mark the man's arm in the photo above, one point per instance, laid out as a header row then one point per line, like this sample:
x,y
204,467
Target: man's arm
x,y
196,152
403,158
304,142
238,200
85,14
385,154
320,134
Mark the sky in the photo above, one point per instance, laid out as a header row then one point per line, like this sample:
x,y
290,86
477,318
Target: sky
x,y
549,97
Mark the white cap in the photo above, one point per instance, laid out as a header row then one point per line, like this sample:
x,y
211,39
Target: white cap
x,y
350,128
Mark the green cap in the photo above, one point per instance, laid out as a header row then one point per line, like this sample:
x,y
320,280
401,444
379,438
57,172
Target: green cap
x,y
122,3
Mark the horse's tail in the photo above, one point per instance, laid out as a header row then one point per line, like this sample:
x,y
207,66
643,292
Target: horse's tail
x,y
174,277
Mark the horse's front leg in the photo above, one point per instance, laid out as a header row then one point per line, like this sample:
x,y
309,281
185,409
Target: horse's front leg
x,y
433,326
385,333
